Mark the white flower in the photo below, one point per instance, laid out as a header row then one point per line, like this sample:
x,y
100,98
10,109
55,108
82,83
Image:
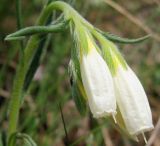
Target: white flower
x,y
132,101
98,83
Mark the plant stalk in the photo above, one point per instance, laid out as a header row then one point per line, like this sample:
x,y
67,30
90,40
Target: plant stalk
x,y
17,91
23,66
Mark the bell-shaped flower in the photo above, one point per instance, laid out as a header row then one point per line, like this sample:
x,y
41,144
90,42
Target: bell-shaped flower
x,y
98,83
130,95
132,101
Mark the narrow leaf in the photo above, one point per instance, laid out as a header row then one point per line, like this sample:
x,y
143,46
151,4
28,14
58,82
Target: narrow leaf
x,y
12,139
26,138
36,30
37,56
118,39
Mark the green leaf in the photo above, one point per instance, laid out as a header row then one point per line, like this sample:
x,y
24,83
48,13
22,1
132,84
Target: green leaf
x,y
35,62
19,38
27,139
21,136
118,39
12,139
37,56
37,30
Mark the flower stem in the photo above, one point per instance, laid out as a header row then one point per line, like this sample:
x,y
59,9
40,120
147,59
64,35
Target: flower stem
x,y
16,95
25,60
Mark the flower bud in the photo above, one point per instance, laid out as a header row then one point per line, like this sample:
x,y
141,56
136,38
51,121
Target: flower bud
x,y
130,95
98,83
132,101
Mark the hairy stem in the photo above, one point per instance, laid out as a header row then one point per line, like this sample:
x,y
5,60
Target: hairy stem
x,y
22,69
16,95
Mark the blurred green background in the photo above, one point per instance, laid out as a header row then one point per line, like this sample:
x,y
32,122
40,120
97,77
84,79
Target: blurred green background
x,y
40,115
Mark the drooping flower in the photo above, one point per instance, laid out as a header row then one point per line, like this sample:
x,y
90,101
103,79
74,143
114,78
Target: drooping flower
x,y
130,95
97,82
132,101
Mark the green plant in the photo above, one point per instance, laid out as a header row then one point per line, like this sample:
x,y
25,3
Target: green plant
x,y
82,32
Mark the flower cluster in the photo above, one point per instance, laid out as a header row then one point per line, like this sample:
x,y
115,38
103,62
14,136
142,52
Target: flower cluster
x,y
101,77
109,84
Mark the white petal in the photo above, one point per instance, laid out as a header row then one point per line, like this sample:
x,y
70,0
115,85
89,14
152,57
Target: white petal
x,y
98,84
132,101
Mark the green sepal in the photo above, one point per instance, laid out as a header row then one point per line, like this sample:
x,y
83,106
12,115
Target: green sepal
x,y
80,34
118,39
77,89
110,53
109,58
79,99
20,34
